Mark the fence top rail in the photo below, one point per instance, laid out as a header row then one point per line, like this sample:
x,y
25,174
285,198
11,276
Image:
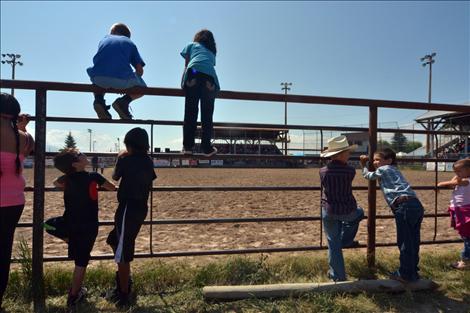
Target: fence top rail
x,y
236,95
256,126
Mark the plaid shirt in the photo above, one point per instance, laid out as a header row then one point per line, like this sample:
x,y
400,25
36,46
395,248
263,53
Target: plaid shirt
x,y
336,179
391,181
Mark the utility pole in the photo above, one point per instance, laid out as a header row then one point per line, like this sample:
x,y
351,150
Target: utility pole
x,y
90,131
285,88
428,60
13,62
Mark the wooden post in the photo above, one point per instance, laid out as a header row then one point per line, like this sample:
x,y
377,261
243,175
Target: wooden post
x,y
297,290
371,198
38,203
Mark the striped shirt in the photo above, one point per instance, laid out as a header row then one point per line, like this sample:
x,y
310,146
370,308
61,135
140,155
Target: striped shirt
x,y
391,181
336,179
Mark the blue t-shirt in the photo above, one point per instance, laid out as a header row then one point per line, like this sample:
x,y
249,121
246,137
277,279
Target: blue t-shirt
x,y
201,59
114,58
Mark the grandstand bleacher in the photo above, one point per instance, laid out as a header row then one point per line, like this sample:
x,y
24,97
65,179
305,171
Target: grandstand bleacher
x,y
449,146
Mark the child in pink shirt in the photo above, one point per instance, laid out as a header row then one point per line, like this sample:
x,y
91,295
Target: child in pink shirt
x,y
459,208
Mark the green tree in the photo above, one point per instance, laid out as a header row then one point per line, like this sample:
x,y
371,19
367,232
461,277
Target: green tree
x,y
70,142
399,142
412,146
382,144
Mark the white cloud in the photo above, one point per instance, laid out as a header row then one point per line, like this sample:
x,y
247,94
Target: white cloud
x,y
55,140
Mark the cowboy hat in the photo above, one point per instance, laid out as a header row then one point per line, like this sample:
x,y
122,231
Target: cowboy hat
x,y
337,145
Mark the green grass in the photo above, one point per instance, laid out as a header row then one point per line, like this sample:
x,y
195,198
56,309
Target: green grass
x,y
176,286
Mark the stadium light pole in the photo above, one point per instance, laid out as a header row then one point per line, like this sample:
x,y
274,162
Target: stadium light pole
x,y
285,87
90,131
12,60
428,59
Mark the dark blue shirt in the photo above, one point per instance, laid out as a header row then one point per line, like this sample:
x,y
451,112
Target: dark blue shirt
x,y
336,179
114,58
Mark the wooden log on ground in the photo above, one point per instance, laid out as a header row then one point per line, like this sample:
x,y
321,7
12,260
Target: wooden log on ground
x,y
295,290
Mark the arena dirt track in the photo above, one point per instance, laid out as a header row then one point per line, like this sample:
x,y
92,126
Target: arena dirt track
x,y
170,205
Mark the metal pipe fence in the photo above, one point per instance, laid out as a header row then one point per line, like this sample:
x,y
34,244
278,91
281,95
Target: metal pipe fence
x,y
39,188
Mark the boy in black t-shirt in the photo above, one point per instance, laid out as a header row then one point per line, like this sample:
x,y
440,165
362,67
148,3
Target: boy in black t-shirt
x,y
81,213
135,169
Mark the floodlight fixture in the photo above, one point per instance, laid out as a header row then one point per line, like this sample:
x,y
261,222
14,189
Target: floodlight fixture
x,y
285,88
13,62
428,60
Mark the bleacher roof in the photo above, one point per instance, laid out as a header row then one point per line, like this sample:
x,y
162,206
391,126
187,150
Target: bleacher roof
x,y
455,118
227,133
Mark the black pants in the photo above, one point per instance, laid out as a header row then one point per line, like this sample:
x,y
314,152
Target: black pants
x,y
198,86
9,217
129,217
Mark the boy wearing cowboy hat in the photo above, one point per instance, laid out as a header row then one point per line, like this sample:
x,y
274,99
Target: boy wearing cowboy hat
x,y
340,213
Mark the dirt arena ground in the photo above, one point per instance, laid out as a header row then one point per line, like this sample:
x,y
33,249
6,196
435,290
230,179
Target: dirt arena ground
x,y
171,205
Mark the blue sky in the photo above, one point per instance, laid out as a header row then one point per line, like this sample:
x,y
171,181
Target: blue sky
x,y
342,49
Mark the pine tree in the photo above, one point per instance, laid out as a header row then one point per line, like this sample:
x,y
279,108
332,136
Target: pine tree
x,y
70,142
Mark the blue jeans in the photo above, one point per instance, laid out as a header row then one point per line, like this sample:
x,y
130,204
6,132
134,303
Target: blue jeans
x,y
340,231
408,218
466,249
198,87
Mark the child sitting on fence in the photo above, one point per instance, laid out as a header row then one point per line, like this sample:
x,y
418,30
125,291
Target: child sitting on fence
x,y
135,170
459,208
112,69
340,214
406,208
81,213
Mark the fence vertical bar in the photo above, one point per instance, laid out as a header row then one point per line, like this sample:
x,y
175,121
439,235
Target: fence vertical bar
x,y
321,191
371,198
436,179
38,203
151,194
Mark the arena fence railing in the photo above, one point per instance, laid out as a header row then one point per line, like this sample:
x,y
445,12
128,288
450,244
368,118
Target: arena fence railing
x,y
41,88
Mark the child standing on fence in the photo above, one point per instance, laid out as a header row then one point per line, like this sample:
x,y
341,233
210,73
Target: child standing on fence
x,y
459,208
406,208
81,213
112,69
200,83
340,214
135,170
